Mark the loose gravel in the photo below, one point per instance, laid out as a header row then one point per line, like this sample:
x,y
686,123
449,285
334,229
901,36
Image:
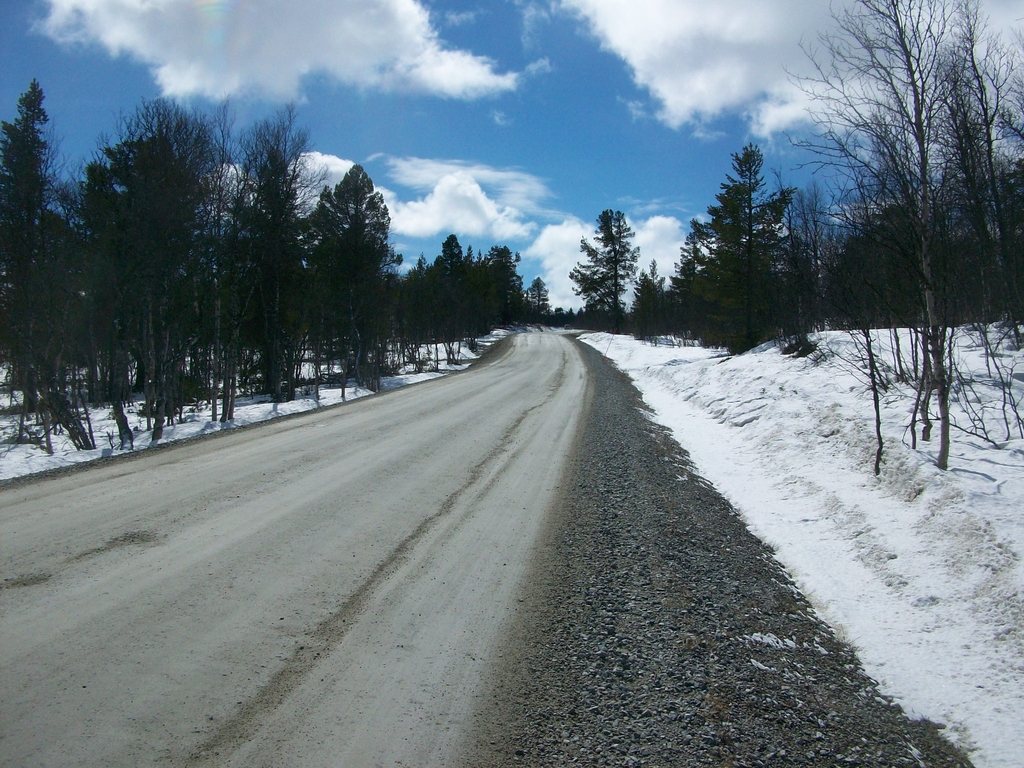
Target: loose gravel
x,y
657,630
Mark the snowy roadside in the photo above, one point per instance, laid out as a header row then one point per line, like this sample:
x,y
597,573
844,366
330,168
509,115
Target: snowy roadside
x,y
920,570
17,460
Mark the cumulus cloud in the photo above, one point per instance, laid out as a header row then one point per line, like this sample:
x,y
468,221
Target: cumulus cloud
x,y
457,204
659,238
557,249
217,48
512,188
699,60
465,198
333,167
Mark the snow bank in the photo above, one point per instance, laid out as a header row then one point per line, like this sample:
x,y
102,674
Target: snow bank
x,y
919,569
17,460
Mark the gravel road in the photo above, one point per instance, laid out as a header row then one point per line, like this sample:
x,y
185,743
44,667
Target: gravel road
x,y
323,590
511,566
658,631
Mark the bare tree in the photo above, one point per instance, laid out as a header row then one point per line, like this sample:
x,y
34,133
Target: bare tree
x,y
879,89
979,75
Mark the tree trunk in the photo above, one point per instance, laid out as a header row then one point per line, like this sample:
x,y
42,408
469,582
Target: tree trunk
x,y
941,383
215,374
46,429
873,374
150,368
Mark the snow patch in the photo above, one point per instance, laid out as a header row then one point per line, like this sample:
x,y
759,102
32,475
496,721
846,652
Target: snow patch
x,y
921,570
17,460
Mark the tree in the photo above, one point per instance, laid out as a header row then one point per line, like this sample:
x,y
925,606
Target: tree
x,y
448,275
354,261
145,203
280,184
649,304
537,299
809,241
40,278
506,284
735,250
881,88
978,133
610,268
25,192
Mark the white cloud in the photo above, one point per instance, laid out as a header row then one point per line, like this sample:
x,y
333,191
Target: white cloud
x,y
557,248
454,201
512,189
453,19
659,238
539,67
457,204
334,168
700,59
467,199
534,15
217,48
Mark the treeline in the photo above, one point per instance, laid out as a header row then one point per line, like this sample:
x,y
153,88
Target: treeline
x,y
185,263
918,221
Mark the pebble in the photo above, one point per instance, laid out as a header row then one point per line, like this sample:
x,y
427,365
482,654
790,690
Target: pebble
x,y
656,630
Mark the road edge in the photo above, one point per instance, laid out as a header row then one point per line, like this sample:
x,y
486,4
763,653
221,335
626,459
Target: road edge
x,y
491,355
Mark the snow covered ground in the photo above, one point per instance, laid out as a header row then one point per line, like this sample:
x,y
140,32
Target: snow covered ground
x,y
17,460
919,569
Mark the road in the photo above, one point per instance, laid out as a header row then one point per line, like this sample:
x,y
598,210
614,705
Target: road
x,y
325,590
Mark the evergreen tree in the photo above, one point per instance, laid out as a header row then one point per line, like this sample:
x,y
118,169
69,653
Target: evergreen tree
x,y
610,267
354,263
649,304
507,284
40,280
735,250
279,185
25,186
537,299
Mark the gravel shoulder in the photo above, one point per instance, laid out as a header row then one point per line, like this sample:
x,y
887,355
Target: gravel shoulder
x,y
657,630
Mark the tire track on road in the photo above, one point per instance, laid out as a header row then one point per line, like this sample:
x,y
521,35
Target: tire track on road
x,y
330,632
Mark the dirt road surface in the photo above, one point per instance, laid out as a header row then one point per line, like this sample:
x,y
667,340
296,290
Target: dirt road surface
x,y
325,590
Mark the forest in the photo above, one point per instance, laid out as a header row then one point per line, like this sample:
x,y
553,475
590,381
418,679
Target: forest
x,y
186,263
914,219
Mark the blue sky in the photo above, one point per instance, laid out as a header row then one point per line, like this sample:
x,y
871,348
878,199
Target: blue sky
x,y
507,122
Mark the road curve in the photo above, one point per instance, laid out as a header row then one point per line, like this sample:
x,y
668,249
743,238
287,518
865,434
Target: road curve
x,y
326,590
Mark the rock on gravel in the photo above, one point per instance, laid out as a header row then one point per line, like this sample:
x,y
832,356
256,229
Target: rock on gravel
x,y
657,630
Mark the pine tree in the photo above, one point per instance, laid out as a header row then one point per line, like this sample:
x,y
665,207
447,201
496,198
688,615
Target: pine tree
x,y
734,251
354,263
609,269
649,304
40,289
24,187
537,298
